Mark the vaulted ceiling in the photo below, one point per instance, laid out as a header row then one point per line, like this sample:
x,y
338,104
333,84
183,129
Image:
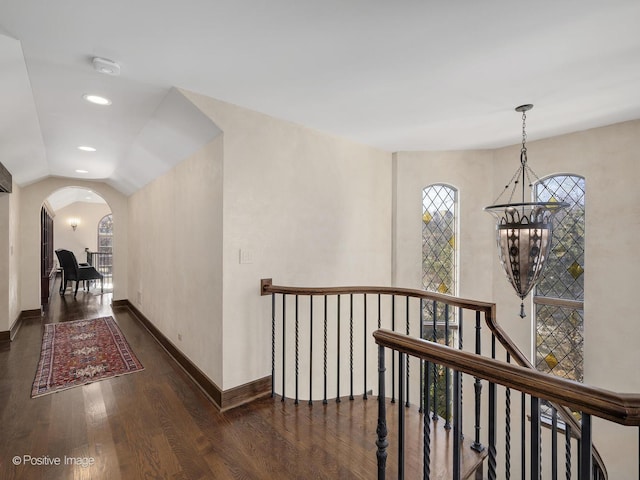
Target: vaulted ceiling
x,y
405,75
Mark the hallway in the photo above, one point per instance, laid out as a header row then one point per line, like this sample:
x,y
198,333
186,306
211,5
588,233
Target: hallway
x,y
126,424
157,423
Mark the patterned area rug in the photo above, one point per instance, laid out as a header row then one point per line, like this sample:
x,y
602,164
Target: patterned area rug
x,y
82,352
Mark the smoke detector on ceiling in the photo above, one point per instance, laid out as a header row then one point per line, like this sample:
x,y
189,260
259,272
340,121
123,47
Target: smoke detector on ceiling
x,y
108,67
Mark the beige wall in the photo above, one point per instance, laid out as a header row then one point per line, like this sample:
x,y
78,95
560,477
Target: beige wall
x,y
306,207
175,252
31,200
86,234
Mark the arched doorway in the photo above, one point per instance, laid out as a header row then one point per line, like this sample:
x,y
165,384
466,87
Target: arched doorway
x,y
76,216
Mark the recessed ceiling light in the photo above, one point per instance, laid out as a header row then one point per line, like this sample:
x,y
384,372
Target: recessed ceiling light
x,y
86,148
97,99
82,171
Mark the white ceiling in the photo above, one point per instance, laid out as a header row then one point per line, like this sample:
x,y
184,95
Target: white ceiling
x,y
403,75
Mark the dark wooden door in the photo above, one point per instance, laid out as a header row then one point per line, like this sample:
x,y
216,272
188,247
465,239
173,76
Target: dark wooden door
x,y
47,270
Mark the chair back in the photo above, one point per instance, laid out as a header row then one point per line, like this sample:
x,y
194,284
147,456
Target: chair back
x,y
68,263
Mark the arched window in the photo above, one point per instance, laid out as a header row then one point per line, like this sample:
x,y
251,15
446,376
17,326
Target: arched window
x,y
439,218
439,274
105,234
559,295
104,257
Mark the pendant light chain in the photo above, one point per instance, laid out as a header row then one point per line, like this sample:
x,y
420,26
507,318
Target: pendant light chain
x,y
524,167
523,150
524,173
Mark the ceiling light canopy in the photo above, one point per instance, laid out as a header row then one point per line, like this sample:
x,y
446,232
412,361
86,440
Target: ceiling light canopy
x,y
86,148
96,99
106,66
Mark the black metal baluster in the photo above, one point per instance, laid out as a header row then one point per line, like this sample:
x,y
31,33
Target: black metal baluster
x,y
567,451
381,429
401,373
523,435
351,346
393,353
579,459
407,357
379,314
365,347
421,409
536,439
460,343
493,413
338,359
457,426
310,349
447,372
434,338
554,444
426,420
586,461
273,344
507,428
284,341
477,387
297,350
324,400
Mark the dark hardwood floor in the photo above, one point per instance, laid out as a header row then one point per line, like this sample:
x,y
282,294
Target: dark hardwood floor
x,y
156,424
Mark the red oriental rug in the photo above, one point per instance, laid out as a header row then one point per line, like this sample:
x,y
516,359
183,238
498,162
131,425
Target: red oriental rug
x,y
82,352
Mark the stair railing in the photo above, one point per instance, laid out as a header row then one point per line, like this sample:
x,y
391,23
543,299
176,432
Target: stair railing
x,y
322,346
623,409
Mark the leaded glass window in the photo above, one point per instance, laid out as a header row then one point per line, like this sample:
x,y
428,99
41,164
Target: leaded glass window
x,y
559,296
103,258
439,204
439,223
105,234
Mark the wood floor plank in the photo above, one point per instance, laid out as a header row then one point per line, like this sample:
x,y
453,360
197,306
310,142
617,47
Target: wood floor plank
x,y
99,435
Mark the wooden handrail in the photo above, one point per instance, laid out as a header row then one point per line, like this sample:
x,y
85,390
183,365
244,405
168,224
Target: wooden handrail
x,y
267,288
620,408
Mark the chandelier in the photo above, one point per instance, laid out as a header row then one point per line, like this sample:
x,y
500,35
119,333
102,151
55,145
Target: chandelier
x,y
523,229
